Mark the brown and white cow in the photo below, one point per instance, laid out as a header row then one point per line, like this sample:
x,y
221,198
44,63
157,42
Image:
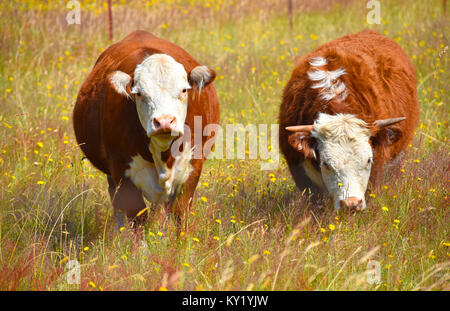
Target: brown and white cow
x,y
349,107
142,94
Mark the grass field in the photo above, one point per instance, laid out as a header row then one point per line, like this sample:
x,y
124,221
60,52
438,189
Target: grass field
x,y
248,229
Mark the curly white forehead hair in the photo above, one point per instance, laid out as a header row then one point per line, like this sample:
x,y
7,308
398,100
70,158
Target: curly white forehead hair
x,y
340,128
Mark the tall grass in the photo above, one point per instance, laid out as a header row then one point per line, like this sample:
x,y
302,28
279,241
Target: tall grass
x,y
249,229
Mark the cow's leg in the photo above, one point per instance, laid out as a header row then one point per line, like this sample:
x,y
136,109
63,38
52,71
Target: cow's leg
x,y
119,216
181,204
127,200
303,182
111,187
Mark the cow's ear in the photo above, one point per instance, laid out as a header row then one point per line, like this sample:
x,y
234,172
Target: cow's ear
x,y
385,136
201,76
385,133
121,82
303,143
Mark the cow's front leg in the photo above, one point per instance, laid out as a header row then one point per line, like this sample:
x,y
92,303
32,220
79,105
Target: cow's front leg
x,y
180,204
119,216
127,200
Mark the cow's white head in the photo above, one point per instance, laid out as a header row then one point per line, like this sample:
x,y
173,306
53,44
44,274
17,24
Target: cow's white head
x,y
342,145
160,88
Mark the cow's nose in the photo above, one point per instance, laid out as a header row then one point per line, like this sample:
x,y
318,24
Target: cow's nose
x,y
164,123
352,203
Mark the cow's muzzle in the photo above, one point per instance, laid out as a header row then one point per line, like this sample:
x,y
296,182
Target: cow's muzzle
x,y
163,125
352,203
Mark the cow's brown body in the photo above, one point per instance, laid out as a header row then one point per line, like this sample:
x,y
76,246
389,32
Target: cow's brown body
x,y
107,127
381,84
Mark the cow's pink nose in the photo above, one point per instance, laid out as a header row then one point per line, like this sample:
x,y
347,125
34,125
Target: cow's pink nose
x,y
164,123
352,203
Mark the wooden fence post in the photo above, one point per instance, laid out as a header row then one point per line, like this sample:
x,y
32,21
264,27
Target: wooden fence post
x,y
290,9
110,22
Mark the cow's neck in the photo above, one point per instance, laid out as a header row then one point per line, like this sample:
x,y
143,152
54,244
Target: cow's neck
x,y
157,147
313,173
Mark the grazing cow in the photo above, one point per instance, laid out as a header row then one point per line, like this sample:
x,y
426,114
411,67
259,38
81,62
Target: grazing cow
x,y
142,94
349,107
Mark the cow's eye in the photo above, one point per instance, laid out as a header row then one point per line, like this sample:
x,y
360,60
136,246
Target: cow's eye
x,y
326,165
184,91
138,94
370,161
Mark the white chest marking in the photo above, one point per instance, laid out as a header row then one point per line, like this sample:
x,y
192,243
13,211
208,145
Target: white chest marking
x,y
156,180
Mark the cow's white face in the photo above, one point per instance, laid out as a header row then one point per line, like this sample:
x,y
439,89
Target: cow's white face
x,y
342,145
345,158
160,90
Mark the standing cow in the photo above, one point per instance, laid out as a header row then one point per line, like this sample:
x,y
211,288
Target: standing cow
x,y
349,107
137,100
